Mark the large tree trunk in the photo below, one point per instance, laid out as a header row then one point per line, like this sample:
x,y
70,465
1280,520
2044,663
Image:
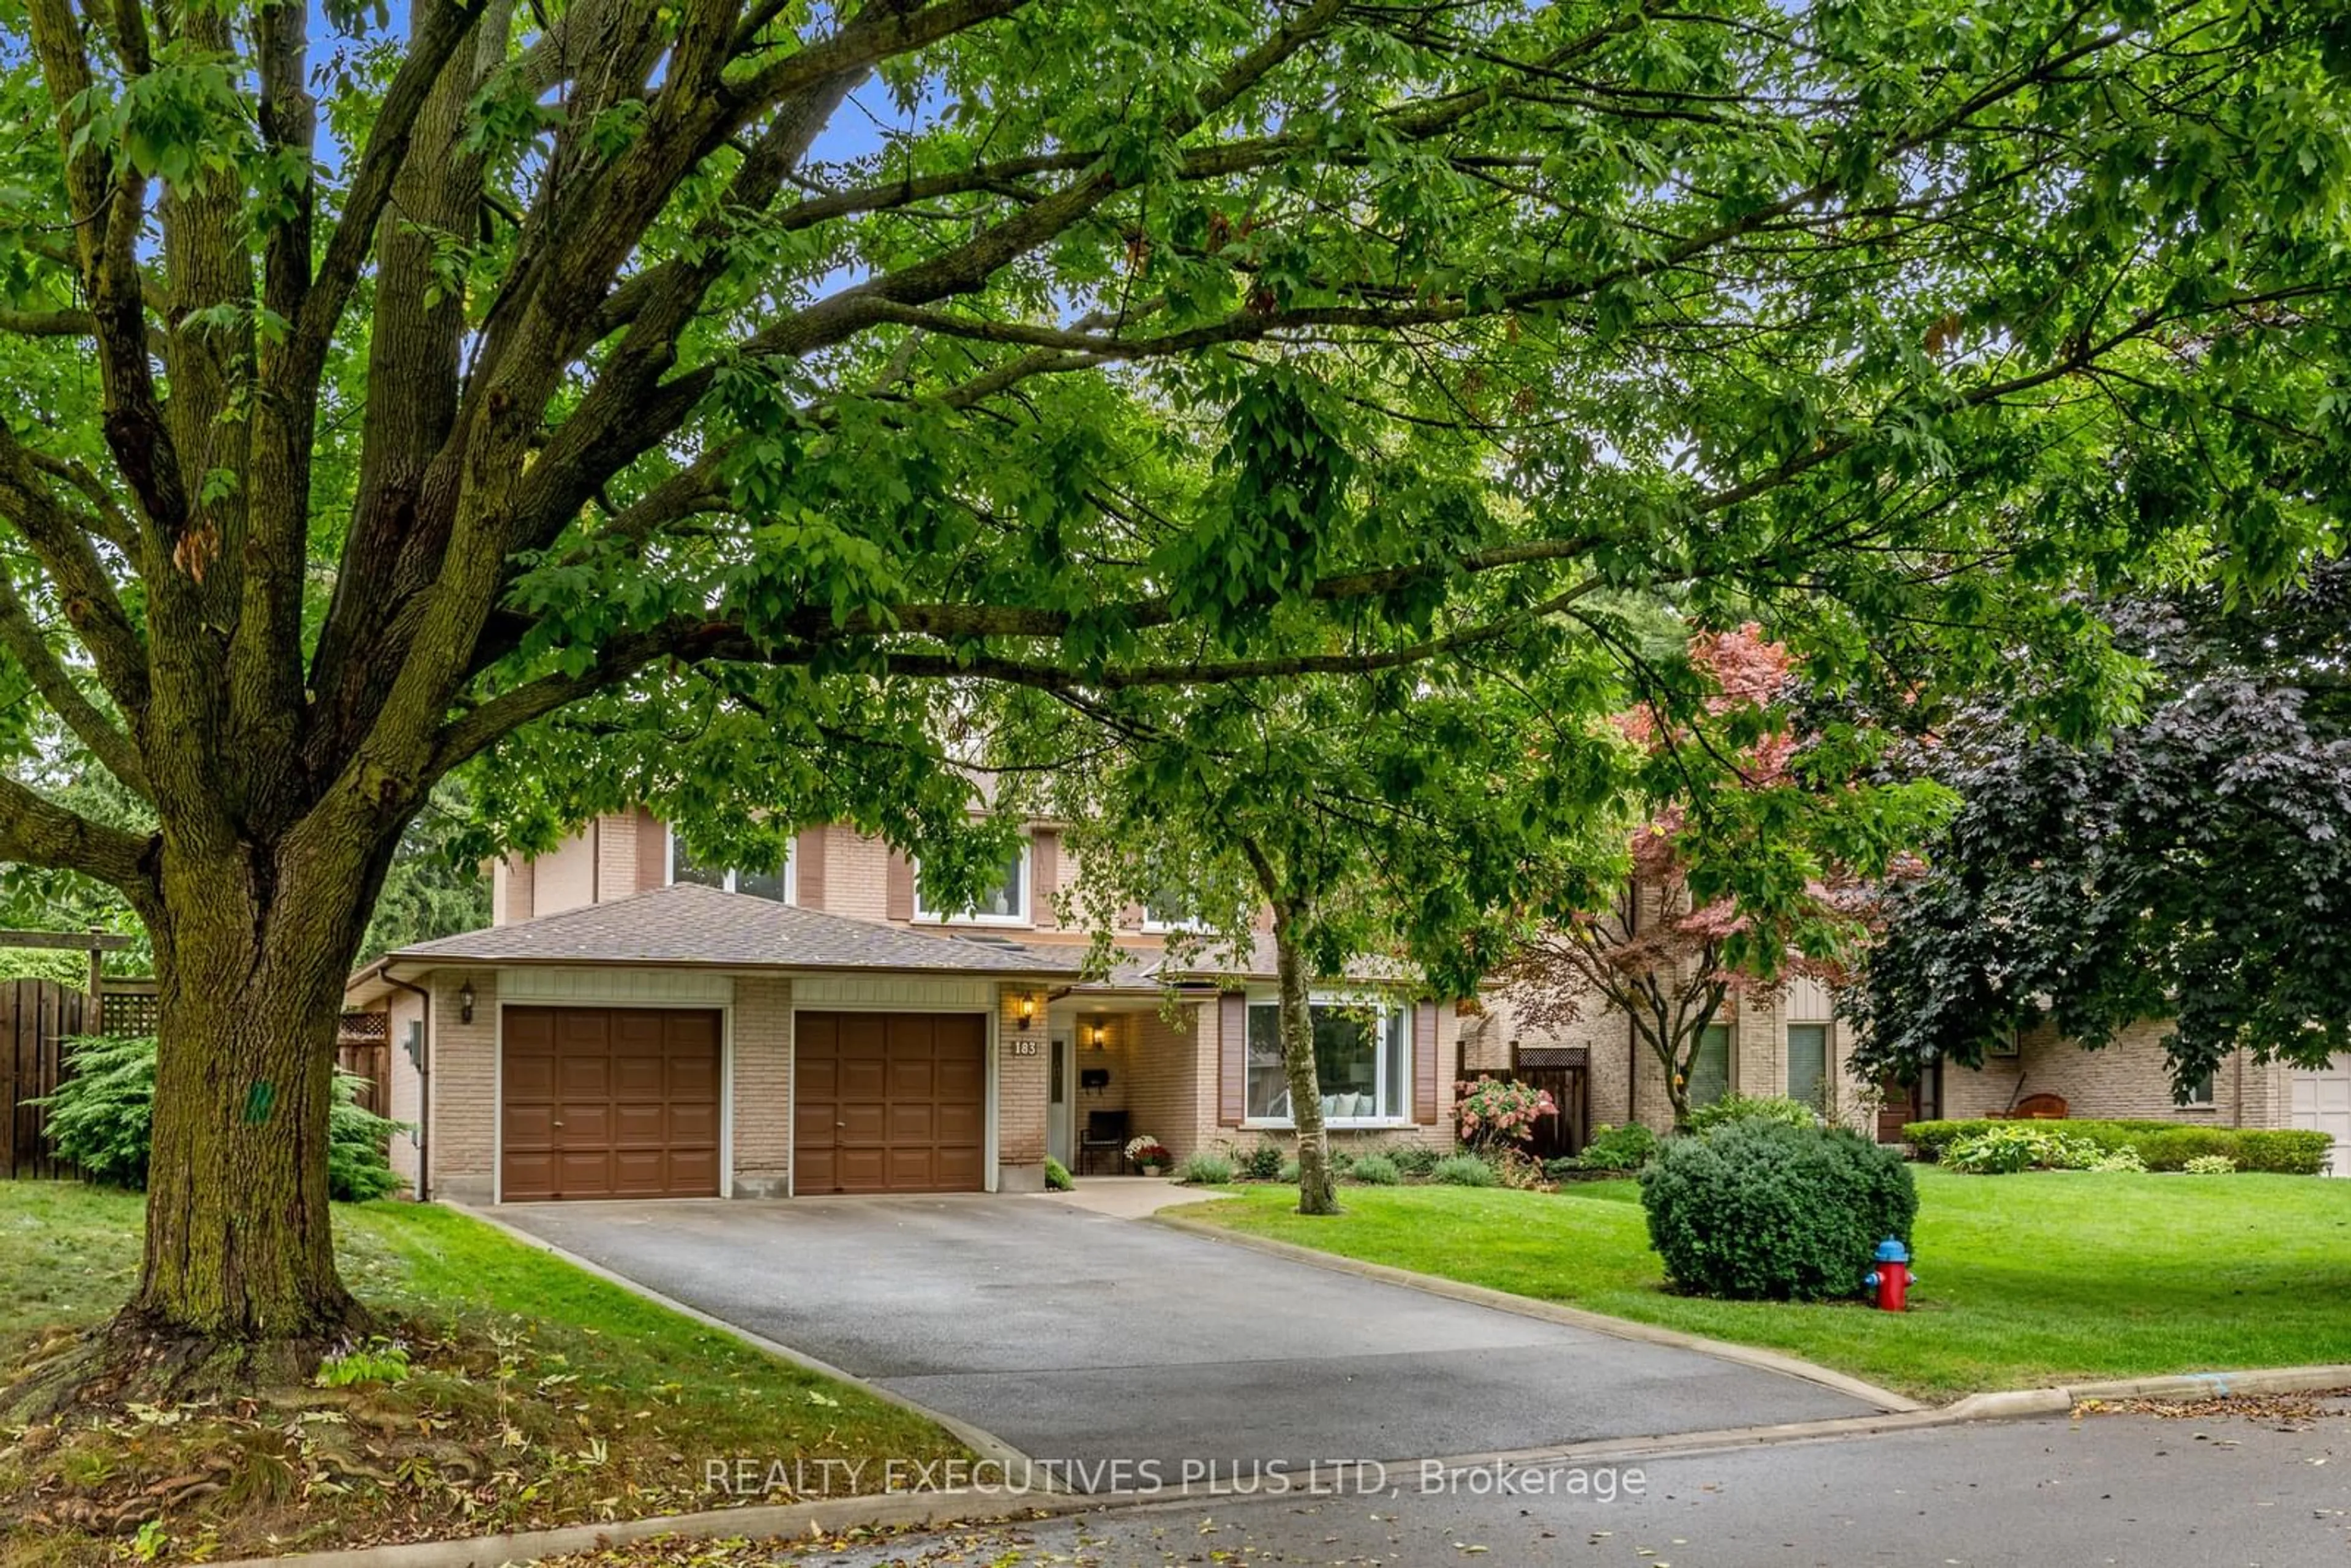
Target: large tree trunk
x,y
1317,1186
250,976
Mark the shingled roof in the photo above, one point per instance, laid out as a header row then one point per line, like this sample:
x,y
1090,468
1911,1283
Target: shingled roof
x,y
690,923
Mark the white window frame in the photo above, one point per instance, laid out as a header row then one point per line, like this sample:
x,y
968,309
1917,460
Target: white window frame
x,y
2211,1095
676,846
1155,926
1019,917
1400,1116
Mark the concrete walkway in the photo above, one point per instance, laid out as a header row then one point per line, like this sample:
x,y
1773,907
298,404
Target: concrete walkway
x,y
1104,1346
1125,1198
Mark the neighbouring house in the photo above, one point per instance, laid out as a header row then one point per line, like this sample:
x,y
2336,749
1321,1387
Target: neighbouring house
x,y
633,1025
1792,1043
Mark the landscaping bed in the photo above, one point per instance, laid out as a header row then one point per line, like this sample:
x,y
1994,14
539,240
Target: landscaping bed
x,y
2162,1146
515,1393
2024,1281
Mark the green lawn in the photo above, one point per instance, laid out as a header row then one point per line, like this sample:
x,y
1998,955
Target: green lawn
x,y
2025,1279
541,1396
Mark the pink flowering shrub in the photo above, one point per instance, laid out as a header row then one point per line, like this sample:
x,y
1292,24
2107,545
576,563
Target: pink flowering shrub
x,y
1493,1111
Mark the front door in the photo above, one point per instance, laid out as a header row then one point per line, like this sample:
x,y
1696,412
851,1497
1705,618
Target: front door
x,y
1060,1103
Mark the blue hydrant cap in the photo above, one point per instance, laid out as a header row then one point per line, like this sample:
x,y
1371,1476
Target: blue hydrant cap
x,y
1891,1251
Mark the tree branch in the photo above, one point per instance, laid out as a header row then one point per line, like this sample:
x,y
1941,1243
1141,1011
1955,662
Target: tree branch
x,y
106,739
36,831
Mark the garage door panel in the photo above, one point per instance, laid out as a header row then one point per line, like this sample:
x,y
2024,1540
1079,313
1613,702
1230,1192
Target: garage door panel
x,y
530,1174
914,1123
692,1125
889,1101
862,1170
608,1102
638,1077
962,1123
959,1168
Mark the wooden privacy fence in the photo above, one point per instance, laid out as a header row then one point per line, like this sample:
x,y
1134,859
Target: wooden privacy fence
x,y
37,1018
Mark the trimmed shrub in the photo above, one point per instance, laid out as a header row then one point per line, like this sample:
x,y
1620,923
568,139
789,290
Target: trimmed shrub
x,y
1205,1170
2171,1149
2284,1152
102,1119
1463,1170
1262,1163
1415,1159
2163,1146
1057,1177
1759,1210
1613,1150
1375,1170
1753,1108
2211,1165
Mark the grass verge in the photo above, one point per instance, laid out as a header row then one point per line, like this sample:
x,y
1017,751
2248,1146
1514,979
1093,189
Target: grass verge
x,y
2025,1281
532,1395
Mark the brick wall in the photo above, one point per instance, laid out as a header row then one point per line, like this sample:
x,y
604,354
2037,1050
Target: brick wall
x,y
1160,1064
856,874
2130,1078
761,1027
1020,1094
465,1063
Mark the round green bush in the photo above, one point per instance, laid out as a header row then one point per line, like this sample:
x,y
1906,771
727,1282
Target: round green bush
x,y
1759,1210
1415,1159
1262,1163
1463,1170
1375,1170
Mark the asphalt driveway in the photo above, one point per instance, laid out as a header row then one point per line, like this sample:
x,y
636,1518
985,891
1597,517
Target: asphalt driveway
x,y
1081,1339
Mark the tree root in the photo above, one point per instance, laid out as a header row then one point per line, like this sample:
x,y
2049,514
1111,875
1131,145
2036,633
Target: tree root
x,y
137,1359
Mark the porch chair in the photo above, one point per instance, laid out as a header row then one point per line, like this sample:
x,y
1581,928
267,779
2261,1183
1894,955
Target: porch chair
x,y
1105,1133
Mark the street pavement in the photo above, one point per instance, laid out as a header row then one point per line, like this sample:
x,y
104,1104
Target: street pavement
x,y
2214,1490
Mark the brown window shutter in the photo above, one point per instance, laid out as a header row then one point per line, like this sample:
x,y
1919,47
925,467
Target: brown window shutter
x,y
1426,1083
898,888
1232,1058
1044,876
652,850
808,869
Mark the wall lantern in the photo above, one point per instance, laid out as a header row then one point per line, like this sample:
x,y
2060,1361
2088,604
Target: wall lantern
x,y
1100,1038
466,1002
1028,1009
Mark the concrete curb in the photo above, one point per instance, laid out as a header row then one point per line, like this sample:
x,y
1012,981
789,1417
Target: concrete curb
x,y
1886,1399
978,1439
897,1511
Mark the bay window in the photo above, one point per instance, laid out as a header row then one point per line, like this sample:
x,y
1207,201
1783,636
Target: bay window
x,y
1363,1062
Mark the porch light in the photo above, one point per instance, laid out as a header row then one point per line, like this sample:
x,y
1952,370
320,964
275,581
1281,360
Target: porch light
x,y
1028,1009
466,1002
1100,1040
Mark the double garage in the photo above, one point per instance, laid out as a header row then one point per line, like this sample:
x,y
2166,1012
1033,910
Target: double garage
x,y
626,1103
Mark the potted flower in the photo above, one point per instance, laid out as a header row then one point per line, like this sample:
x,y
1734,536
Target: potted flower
x,y
1150,1154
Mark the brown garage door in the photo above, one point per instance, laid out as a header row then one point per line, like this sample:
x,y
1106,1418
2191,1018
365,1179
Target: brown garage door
x,y
608,1102
889,1101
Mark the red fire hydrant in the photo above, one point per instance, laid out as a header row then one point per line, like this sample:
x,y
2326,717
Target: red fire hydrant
x,y
1891,1278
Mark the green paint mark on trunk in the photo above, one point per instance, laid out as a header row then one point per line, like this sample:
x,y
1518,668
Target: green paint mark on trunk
x,y
258,1100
